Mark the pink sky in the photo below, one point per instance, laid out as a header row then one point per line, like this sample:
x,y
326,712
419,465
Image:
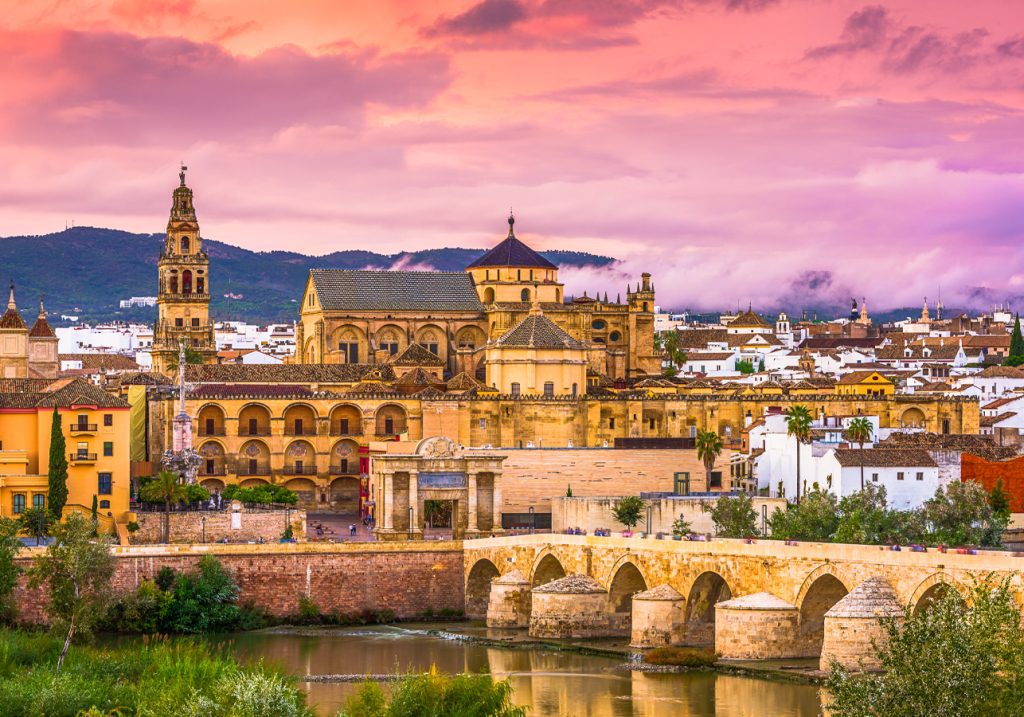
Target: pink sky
x,y
740,150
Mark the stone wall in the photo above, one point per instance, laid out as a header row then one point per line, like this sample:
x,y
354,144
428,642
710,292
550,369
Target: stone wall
x,y
591,513
210,526
989,473
531,477
349,578
744,634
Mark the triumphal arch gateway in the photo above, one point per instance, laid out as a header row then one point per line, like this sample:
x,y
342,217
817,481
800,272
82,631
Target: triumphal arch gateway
x,y
403,485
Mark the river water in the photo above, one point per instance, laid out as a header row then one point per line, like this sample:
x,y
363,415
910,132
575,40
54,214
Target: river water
x,y
550,683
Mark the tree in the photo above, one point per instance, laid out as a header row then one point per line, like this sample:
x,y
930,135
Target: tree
x,y
78,570
191,357
859,431
957,659
709,447
57,474
733,516
865,518
1016,354
628,509
164,488
35,522
760,366
745,367
681,526
961,514
999,501
798,425
668,342
815,519
9,571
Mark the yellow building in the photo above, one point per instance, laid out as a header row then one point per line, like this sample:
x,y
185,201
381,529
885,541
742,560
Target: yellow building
x,y
24,352
537,358
183,293
368,316
865,383
96,431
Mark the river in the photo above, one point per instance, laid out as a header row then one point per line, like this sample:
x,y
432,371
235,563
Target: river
x,y
550,683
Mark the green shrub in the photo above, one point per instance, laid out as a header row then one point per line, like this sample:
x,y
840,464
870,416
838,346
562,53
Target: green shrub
x,y
203,600
435,694
309,613
680,657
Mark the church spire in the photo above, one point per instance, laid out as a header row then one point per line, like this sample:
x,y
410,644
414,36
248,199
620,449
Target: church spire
x,y
10,301
511,224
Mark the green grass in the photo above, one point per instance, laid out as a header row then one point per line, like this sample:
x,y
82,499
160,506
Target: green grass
x,y
681,657
154,678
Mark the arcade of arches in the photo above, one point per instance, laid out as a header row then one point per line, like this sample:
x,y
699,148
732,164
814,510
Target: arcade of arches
x,y
781,590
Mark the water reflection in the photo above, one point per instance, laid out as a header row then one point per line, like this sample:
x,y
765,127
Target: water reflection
x,y
550,683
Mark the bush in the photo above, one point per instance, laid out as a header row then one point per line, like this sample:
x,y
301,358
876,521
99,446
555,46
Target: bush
x,y
733,516
309,613
627,510
435,694
816,518
681,657
262,494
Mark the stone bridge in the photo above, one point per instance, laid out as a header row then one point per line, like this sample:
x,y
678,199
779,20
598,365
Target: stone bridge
x,y
806,580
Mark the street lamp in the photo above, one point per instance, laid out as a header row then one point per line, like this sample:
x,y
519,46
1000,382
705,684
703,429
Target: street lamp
x,y
410,522
533,520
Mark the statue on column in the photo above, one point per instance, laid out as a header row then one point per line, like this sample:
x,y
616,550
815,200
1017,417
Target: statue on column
x,y
182,458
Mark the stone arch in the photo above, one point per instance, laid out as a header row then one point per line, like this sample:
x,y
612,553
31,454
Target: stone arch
x,y
489,295
309,351
707,590
933,588
345,494
351,344
390,337
305,490
213,456
478,587
390,419
346,420
913,417
300,458
253,459
823,569
627,579
299,420
254,482
546,568
254,420
471,336
213,485
430,336
821,594
211,420
345,457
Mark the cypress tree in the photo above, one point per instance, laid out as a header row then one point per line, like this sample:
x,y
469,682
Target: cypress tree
x,y
1016,339
58,473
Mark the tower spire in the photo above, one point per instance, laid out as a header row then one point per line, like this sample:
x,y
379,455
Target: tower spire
x,y
511,222
10,301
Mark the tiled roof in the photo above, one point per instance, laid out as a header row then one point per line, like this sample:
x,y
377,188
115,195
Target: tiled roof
x,y
834,342
757,601
33,393
709,356
748,319
855,377
662,592
12,320
360,290
416,377
571,585
885,457
512,252
538,331
102,362
248,390
989,421
987,341
999,402
41,329
512,577
1001,372
144,378
934,353
462,382
873,598
283,373
973,443
416,355
700,338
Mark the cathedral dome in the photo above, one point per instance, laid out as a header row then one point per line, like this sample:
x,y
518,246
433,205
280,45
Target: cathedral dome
x,y
512,252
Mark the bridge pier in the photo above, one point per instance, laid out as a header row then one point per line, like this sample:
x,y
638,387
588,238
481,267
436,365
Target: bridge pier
x,y
510,601
570,607
657,618
854,625
757,627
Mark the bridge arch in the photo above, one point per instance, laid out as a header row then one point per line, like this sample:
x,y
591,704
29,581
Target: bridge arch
x,y
625,579
934,588
707,590
478,587
545,569
819,594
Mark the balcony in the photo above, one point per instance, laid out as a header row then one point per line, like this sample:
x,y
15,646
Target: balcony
x,y
300,470
78,428
82,458
258,431
300,432
344,470
336,431
215,432
216,472
254,471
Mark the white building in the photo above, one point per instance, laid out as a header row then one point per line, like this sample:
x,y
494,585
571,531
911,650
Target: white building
x,y
138,301
711,363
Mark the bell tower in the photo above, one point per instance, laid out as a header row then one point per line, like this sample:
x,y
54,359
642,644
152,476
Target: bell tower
x,y
183,291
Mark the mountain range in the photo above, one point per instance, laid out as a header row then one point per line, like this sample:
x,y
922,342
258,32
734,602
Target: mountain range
x,y
86,271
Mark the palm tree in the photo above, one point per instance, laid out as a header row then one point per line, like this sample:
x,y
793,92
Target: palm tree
x,y
859,431
709,447
798,425
164,487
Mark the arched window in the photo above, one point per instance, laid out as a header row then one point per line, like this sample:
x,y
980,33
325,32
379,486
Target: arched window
x,y
488,295
614,336
200,285
184,245
172,283
186,282
524,295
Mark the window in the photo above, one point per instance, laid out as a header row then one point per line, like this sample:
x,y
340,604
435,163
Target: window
x,y
83,449
201,285
390,346
343,426
716,479
575,389
108,448
682,484
108,419
344,465
253,467
874,477
515,390
297,427
524,295
599,324
614,336
195,321
104,503
184,240
693,431
549,389
611,423
210,427
19,503
920,475
211,467
83,422
253,426
652,423
432,348
483,423
899,475
350,350
389,425
39,501
105,480
179,321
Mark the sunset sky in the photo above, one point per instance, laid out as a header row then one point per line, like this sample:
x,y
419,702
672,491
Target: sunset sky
x,y
772,151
